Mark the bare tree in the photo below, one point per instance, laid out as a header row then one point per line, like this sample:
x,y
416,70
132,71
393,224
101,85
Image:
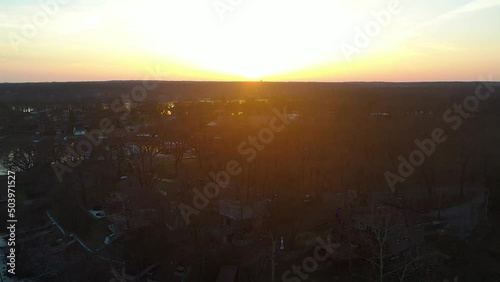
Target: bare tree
x,y
428,175
26,157
467,153
124,277
23,158
417,265
381,230
271,255
146,166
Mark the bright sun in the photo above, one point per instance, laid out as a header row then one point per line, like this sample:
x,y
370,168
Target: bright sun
x,y
241,45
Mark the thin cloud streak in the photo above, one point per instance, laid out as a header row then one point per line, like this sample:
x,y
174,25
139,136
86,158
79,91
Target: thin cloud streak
x,y
473,6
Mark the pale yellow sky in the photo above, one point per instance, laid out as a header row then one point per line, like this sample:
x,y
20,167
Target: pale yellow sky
x,y
284,40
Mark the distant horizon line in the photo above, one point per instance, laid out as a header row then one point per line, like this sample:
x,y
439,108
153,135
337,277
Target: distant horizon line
x,y
246,81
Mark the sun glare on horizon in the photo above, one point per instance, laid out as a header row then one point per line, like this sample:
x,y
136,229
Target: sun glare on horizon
x,y
252,40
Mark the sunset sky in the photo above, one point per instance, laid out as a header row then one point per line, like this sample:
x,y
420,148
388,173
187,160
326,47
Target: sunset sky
x,y
272,40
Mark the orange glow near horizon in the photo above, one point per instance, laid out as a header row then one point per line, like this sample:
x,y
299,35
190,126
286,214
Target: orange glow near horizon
x,y
257,40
